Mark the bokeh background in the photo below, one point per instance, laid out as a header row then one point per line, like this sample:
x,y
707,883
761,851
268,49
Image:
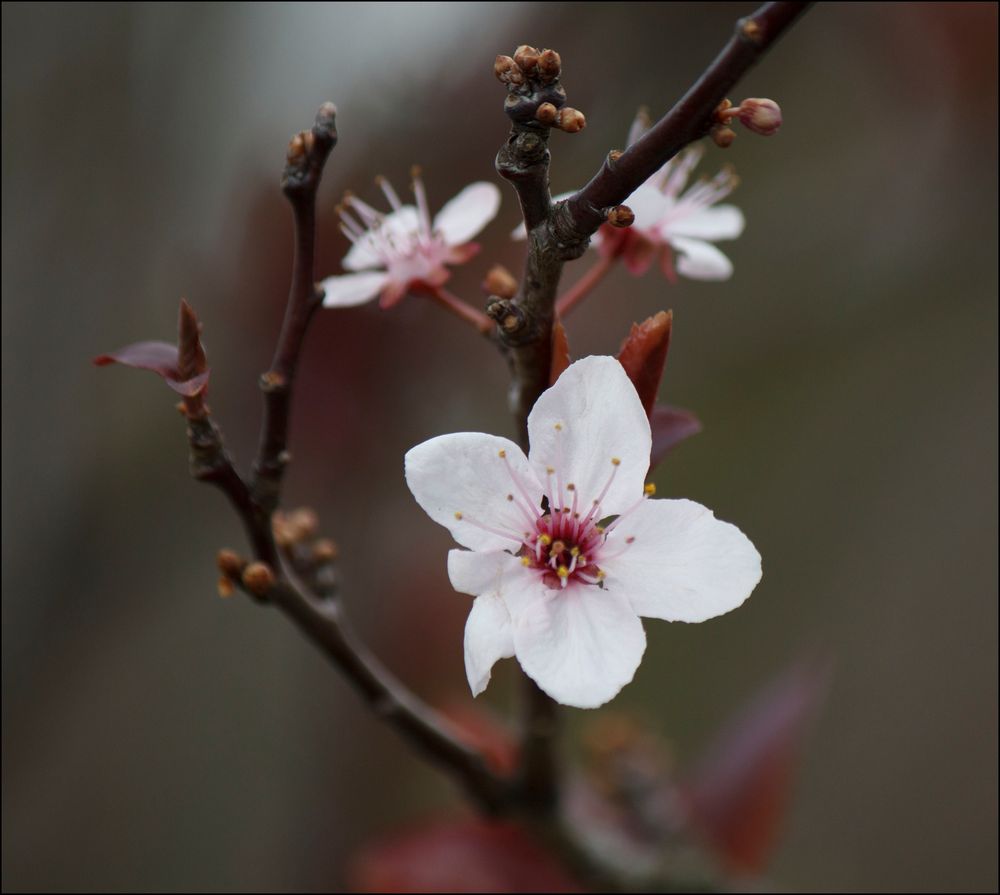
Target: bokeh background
x,y
157,737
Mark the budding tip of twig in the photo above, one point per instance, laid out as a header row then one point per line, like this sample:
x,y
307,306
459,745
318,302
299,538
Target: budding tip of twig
x,y
614,155
570,120
549,65
621,216
297,148
526,58
547,114
722,136
258,578
751,30
230,564
326,114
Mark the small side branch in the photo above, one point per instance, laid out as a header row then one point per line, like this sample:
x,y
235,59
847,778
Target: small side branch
x,y
689,120
307,154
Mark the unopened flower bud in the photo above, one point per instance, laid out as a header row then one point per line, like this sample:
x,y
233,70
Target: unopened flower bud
x,y
549,65
225,587
621,216
230,563
722,136
547,113
526,58
762,116
258,578
500,282
571,120
502,66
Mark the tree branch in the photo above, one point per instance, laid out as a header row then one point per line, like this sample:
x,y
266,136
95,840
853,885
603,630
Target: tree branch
x,y
307,154
535,103
689,120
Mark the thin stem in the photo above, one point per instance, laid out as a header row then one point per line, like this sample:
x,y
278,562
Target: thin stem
x,y
582,287
459,308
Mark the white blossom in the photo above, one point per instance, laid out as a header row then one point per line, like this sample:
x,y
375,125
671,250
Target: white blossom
x,y
404,249
565,550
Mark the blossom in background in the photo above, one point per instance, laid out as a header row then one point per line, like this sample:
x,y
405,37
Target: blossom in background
x,y
670,221
565,550
394,252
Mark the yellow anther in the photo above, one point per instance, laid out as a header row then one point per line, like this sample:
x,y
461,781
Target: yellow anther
x,y
616,461
545,539
510,497
502,454
571,487
600,575
599,529
649,490
575,551
458,515
562,572
549,470
558,427
525,561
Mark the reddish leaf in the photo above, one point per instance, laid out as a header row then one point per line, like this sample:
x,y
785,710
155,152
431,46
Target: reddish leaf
x,y
739,793
670,426
644,353
460,856
183,367
560,352
157,357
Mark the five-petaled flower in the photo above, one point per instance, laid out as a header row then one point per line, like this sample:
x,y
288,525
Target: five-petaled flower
x,y
565,549
393,253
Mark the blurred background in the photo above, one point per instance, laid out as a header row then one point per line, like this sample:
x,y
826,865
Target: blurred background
x,y
157,737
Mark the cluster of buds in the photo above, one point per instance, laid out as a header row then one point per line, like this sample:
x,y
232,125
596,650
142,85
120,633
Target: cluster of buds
x,y
762,116
532,76
297,535
256,578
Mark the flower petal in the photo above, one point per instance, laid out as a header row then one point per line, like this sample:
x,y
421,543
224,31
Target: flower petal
x,y
683,565
488,637
649,205
397,228
352,288
718,222
701,260
581,644
590,417
463,483
465,215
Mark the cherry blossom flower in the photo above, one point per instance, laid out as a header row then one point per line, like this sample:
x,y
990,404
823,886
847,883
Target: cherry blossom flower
x,y
395,252
670,220
565,550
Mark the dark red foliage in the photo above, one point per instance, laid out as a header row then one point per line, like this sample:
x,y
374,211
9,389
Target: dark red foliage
x,y
460,856
160,358
738,795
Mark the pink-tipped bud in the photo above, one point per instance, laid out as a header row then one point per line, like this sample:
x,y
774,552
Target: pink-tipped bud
x,y
549,65
526,58
762,116
571,120
547,113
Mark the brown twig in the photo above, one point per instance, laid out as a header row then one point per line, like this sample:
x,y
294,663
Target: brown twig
x,y
535,103
320,619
